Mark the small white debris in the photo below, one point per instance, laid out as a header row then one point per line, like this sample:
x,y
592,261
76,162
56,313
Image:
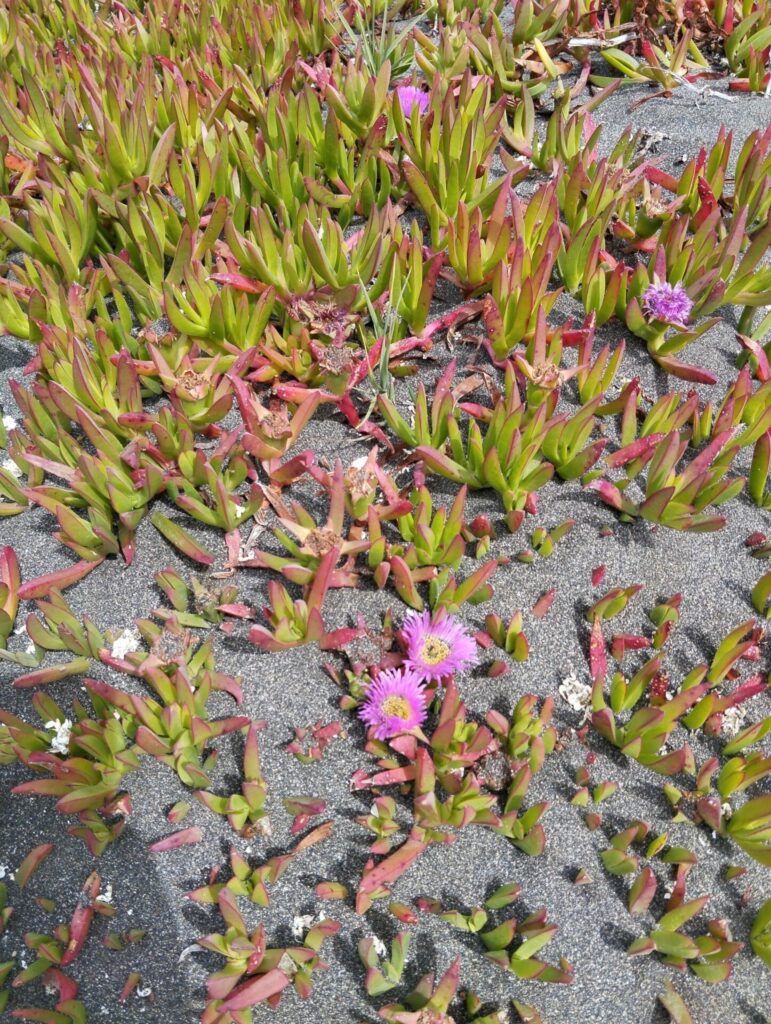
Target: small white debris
x,y
301,924
575,693
143,993
106,895
733,718
726,810
5,872
287,965
189,950
60,744
379,946
9,423
125,644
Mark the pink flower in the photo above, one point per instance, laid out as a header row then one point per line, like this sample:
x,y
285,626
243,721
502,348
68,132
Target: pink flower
x,y
436,649
395,702
667,302
410,96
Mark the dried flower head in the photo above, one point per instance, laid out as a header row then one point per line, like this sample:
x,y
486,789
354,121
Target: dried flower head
x,y
322,317
336,359
360,478
395,702
321,540
546,375
436,649
192,383
275,425
410,96
668,302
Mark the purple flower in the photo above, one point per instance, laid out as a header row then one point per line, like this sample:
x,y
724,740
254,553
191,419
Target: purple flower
x,y
410,96
436,649
395,702
667,302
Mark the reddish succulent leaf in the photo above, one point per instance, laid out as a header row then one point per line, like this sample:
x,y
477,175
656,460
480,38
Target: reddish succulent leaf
x,y
544,603
81,918
389,869
32,862
331,891
256,990
598,662
642,892
129,985
185,837
53,674
42,586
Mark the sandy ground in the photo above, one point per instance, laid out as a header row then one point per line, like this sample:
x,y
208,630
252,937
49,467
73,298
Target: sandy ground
x,y
714,574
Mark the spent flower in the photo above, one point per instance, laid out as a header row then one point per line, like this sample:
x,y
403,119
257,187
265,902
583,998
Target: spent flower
x,y
60,743
395,702
670,302
439,648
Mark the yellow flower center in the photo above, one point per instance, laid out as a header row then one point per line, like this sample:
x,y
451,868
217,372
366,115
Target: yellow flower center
x,y
397,707
433,650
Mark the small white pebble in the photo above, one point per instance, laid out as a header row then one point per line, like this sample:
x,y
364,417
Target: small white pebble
x,y
727,810
9,422
379,946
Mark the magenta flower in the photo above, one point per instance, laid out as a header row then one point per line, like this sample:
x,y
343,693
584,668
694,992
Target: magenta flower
x,y
667,302
395,702
436,649
410,96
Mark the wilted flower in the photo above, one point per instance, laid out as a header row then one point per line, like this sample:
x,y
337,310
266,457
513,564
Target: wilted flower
x,y
575,693
395,702
733,718
667,302
301,924
436,649
126,643
409,97
60,743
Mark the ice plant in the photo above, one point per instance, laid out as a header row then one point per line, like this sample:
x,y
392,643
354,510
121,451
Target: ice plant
x,y
395,702
670,302
409,97
437,648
